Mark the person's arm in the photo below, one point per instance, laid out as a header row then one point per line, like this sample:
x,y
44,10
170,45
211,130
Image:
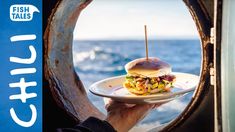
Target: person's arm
x,y
92,124
124,116
121,117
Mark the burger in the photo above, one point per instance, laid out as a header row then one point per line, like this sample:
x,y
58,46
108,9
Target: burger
x,y
148,76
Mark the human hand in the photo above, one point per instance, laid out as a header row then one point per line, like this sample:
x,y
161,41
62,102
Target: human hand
x,y
124,116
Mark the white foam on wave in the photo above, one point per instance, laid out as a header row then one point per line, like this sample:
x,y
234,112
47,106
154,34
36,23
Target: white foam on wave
x,y
95,60
80,57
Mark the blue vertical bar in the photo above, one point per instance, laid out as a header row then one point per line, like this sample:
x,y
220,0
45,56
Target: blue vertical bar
x,y
21,66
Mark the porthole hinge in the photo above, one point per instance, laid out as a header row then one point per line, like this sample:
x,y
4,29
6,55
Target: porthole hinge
x,y
212,36
212,69
212,75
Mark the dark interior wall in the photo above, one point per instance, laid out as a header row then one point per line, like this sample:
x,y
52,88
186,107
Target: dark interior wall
x,y
48,6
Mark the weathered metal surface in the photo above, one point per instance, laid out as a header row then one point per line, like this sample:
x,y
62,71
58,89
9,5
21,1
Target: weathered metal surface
x,y
67,89
65,86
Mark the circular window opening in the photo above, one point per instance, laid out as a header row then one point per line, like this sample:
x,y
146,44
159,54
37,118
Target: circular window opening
x,y
109,34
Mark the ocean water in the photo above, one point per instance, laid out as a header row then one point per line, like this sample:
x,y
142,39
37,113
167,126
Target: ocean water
x,y
96,60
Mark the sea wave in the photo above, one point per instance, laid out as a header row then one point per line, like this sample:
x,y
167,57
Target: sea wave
x,y
99,60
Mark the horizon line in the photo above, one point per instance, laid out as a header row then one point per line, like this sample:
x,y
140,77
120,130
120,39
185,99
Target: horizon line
x,y
132,39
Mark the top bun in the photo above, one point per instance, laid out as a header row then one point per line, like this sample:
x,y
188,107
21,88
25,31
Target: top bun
x,y
153,67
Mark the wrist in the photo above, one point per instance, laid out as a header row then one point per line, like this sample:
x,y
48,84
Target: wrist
x,y
95,124
112,123
115,123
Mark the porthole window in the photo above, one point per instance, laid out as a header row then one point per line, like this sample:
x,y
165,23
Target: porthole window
x,y
108,34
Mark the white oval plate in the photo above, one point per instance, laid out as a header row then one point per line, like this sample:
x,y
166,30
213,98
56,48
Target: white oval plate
x,y
112,88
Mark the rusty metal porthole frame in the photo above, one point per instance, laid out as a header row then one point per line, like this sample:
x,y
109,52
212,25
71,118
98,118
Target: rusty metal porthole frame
x,y
67,89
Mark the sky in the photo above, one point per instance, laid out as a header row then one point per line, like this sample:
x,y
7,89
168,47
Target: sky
x,y
125,19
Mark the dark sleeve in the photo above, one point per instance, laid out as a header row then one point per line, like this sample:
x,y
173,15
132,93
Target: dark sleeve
x,y
92,124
